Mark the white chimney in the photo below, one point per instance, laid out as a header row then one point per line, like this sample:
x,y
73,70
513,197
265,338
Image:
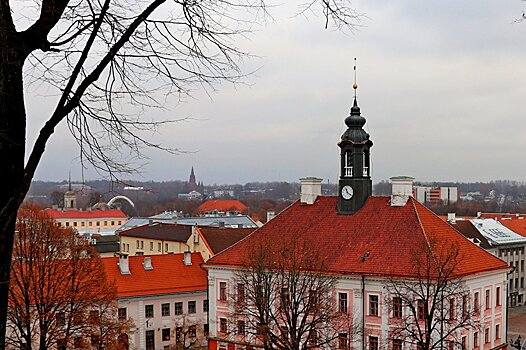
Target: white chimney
x,y
451,217
124,266
187,258
402,189
270,215
310,189
147,263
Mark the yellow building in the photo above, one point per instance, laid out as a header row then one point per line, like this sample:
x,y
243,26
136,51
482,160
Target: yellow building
x,y
89,221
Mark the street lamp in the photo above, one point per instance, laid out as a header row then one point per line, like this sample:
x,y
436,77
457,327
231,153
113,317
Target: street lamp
x,y
517,344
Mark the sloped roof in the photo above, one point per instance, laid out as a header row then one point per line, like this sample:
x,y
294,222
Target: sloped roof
x,y
169,275
221,205
85,214
388,236
517,225
496,232
161,231
469,231
218,239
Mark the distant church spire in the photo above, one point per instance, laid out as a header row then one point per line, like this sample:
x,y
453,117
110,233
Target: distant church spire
x,y
192,184
355,184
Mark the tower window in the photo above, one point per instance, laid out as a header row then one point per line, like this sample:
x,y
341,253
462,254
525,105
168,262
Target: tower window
x,y
365,165
347,168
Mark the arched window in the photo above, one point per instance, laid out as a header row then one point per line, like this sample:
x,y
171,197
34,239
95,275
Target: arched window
x,y
347,167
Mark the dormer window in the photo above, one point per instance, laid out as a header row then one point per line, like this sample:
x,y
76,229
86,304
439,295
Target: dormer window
x,y
347,168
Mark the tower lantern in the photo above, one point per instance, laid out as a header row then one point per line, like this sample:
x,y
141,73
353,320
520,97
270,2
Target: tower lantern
x,y
355,184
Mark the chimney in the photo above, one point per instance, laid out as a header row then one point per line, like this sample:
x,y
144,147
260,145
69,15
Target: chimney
x,y
240,225
124,266
402,189
221,224
187,258
270,215
147,263
310,189
451,217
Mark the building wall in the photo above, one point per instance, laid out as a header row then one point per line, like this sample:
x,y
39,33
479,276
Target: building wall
x,y
514,255
146,246
380,326
92,225
136,308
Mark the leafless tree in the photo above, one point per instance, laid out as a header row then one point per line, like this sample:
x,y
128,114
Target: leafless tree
x,y
189,333
59,294
95,56
432,308
283,299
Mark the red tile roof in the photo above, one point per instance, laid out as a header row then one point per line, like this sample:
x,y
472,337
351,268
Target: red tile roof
x,y
516,225
222,205
161,231
218,239
389,235
85,214
169,275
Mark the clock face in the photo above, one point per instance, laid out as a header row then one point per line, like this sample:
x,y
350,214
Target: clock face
x,y
347,192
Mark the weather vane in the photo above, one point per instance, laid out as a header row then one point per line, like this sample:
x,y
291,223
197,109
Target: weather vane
x,y
355,85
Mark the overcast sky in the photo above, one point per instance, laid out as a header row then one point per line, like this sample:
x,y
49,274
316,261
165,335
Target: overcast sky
x,y
442,86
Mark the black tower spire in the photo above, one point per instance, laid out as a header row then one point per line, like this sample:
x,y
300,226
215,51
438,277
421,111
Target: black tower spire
x,y
355,184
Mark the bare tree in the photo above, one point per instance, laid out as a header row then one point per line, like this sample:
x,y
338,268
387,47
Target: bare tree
x,y
432,308
59,294
97,55
283,299
189,333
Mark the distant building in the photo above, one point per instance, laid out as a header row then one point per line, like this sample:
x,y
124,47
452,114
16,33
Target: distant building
x,y
106,246
89,221
223,193
163,295
222,207
192,184
445,195
191,195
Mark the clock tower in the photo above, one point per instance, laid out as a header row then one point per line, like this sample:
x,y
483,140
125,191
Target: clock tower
x,y
355,184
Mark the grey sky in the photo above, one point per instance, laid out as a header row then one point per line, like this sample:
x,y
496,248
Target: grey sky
x,y
442,86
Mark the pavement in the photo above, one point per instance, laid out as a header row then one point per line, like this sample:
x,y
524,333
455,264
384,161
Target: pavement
x,y
517,322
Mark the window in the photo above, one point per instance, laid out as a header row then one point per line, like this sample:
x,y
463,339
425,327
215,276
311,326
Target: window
x,y
497,331
313,337
347,167
61,319
522,282
142,244
476,303
205,305
105,223
476,339
486,336
138,245
464,305
67,224
373,305
342,341
206,329
284,297
450,345
150,340
124,247
178,334
421,309
159,246
148,311
74,223
165,309
373,343
397,307
497,296
241,327
222,291
122,314
98,223
342,302
178,308
119,223
151,245
397,344
192,331
191,307
487,304
240,293
451,308
463,342
222,325
166,247
166,334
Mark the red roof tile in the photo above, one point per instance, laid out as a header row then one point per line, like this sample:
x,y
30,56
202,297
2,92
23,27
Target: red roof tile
x,y
85,214
169,275
222,205
516,225
389,235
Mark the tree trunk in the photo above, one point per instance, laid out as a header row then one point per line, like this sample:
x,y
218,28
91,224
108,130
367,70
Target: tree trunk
x,y
12,148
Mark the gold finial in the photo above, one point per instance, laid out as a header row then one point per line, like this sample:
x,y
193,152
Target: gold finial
x,y
355,85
